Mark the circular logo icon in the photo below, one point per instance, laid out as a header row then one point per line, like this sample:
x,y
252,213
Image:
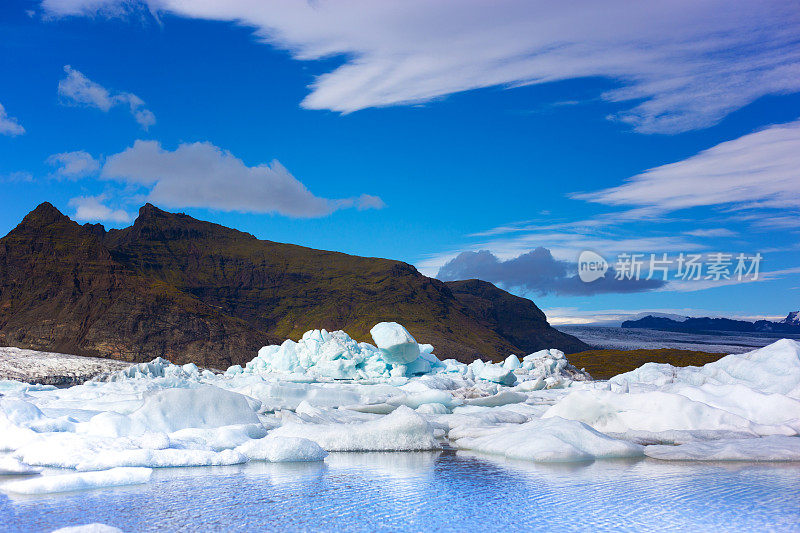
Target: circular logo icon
x,y
591,266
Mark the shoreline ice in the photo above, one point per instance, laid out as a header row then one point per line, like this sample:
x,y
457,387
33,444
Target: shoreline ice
x,y
328,393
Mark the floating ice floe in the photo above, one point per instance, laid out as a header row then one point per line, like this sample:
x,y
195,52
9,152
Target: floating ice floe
x,y
114,477
401,430
277,449
89,528
328,393
775,448
548,440
10,466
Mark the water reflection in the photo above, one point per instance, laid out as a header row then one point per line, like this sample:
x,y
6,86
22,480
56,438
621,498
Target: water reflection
x,y
433,491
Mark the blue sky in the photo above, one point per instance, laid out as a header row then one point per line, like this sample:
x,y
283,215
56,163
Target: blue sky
x,y
415,131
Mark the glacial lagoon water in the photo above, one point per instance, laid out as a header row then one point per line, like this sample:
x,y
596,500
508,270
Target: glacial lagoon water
x,y
425,491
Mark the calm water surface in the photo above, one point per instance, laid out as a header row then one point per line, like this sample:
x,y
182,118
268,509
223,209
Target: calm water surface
x,y
445,491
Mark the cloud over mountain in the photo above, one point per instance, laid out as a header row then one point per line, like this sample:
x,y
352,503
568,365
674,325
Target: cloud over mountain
x,y
537,272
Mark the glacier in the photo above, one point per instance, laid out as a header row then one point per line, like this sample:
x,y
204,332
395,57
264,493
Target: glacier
x,y
326,394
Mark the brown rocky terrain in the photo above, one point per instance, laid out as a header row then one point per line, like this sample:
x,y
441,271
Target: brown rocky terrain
x,y
188,290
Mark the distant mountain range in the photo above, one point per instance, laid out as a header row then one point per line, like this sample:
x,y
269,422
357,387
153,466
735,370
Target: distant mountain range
x,y
790,324
193,291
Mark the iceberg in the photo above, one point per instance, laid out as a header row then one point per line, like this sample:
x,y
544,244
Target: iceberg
x,y
773,369
89,528
547,440
114,477
656,411
10,466
400,430
395,342
297,401
774,448
276,449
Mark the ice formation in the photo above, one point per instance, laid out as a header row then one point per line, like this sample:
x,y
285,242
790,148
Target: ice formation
x,y
328,393
114,477
89,528
401,430
548,440
774,448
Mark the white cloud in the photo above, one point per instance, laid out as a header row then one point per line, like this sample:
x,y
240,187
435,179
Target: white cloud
x,y
9,125
713,232
565,246
761,169
94,209
20,176
77,89
206,176
77,164
701,285
682,64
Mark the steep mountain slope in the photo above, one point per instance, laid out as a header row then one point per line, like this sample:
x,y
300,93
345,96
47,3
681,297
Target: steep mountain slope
x,y
60,290
173,286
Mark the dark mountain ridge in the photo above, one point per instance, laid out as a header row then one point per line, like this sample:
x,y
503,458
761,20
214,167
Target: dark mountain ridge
x,y
188,290
707,324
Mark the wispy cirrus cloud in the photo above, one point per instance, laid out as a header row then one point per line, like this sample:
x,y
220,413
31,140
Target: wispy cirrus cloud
x,y
752,179
77,89
757,170
713,232
680,65
9,125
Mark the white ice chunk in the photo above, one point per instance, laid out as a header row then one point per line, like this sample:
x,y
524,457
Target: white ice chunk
x,y
396,343
550,440
11,466
170,457
512,362
501,398
19,412
282,449
170,410
335,355
78,481
89,528
401,430
772,369
774,448
654,411
496,373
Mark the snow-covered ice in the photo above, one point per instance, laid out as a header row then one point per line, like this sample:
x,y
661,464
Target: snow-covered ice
x,y
775,448
275,449
114,477
9,466
548,440
771,369
17,365
328,393
89,528
400,430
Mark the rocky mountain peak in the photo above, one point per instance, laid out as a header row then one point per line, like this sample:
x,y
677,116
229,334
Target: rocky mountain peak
x,y
792,318
44,215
